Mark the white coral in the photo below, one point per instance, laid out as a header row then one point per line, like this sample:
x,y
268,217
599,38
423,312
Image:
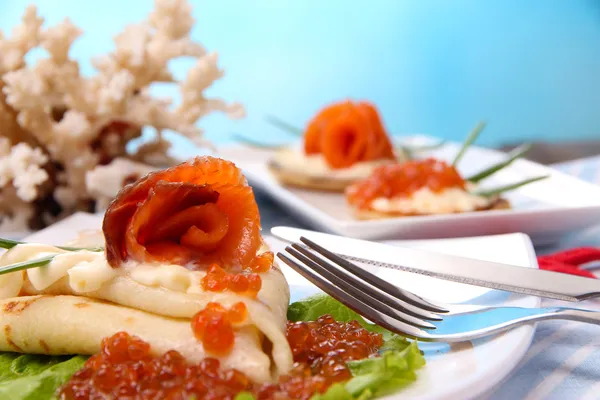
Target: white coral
x,y
81,122
15,212
172,17
24,88
116,91
74,127
105,181
24,37
22,166
57,40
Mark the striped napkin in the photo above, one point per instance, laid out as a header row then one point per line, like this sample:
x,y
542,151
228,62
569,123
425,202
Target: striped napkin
x,y
563,362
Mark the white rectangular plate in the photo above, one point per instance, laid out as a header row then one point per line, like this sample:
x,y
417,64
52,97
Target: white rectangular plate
x,y
544,210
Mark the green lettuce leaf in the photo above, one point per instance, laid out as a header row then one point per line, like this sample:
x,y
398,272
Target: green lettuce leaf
x,y
336,391
383,375
379,376
245,396
313,307
372,377
33,377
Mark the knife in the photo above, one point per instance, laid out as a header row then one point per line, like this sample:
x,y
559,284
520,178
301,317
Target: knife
x,y
511,278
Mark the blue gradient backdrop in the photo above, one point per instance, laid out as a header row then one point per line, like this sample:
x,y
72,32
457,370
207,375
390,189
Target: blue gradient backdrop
x,y
531,68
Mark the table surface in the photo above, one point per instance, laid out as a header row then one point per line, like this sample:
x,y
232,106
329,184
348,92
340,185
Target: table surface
x,y
564,359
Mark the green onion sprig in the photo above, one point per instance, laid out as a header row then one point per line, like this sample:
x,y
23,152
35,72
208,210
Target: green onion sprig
x,y
502,189
512,156
469,141
9,244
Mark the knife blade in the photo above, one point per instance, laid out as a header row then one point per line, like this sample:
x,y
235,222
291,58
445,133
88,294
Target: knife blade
x,y
493,275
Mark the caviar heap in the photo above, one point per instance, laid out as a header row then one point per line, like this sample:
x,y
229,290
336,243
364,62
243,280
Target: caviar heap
x,y
402,180
321,350
126,369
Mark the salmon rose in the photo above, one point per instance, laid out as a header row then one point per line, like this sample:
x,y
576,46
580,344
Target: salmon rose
x,y
347,133
194,214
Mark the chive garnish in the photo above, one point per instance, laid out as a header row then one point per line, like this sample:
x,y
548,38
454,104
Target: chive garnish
x,y
281,124
506,188
25,265
512,156
469,141
9,244
426,147
256,144
410,150
404,153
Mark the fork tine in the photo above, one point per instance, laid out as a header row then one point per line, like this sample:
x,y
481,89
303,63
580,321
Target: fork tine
x,y
359,307
351,288
355,284
374,280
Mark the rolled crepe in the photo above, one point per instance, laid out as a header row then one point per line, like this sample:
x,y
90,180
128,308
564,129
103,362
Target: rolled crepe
x,y
76,325
161,299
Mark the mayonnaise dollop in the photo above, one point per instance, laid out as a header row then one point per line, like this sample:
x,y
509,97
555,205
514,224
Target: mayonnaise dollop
x,y
425,201
172,277
314,165
88,271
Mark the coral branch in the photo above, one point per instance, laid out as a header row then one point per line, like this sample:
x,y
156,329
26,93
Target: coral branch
x,y
60,130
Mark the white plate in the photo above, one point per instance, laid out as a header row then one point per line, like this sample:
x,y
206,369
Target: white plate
x,y
463,371
544,210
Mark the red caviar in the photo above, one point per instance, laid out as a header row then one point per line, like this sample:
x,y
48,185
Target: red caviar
x,y
326,345
214,325
321,350
125,368
262,262
219,280
237,313
401,180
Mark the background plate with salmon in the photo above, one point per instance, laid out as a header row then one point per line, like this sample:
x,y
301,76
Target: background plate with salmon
x,y
545,210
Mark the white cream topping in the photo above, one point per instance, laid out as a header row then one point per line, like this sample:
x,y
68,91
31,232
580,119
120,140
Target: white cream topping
x,y
90,276
88,271
314,165
424,201
172,277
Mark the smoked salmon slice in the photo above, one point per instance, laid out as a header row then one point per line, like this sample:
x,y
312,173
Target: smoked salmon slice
x,y
194,214
346,133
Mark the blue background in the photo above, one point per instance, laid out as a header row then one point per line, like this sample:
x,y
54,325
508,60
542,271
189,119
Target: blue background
x,y
530,68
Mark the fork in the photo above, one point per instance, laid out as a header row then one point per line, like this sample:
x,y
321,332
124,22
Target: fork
x,y
405,313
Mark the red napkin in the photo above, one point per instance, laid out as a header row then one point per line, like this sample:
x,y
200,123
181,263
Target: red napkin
x,y
570,261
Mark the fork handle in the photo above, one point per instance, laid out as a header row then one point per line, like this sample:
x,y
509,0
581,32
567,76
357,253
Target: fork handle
x,y
478,324
574,314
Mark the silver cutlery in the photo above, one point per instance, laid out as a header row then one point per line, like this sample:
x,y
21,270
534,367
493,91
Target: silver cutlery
x,y
403,312
489,274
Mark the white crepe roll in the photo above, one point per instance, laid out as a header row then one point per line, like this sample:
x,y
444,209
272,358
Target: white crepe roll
x,y
182,299
76,325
